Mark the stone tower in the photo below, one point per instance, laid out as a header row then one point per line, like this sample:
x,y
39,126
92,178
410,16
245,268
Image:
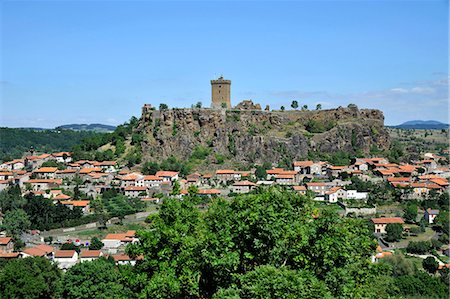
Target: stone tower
x,y
220,93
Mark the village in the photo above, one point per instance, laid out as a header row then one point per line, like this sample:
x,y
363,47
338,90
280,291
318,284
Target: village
x,y
344,187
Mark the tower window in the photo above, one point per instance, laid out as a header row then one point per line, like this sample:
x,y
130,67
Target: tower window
x,y
220,86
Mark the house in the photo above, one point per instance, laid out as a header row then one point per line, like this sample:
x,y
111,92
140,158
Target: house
x,y
42,250
167,176
62,157
46,172
123,259
381,223
66,174
380,254
319,187
114,241
65,258
243,187
132,179
208,192
6,244
83,204
430,215
334,194
44,184
9,255
224,175
13,165
150,181
6,175
354,194
300,189
135,191
108,166
285,179
90,255
271,173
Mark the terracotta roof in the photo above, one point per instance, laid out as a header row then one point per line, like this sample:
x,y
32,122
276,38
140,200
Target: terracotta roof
x,y
225,171
208,191
90,253
108,163
44,247
303,163
440,181
76,203
275,171
135,188
5,240
89,170
67,171
284,176
43,181
61,154
316,184
166,173
64,253
152,178
299,188
61,197
33,251
398,179
387,220
244,183
6,173
9,255
46,170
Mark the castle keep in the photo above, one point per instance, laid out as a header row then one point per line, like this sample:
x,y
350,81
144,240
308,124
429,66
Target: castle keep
x,y
220,93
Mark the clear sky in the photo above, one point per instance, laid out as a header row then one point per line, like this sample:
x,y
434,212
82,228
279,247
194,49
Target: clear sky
x,y
100,61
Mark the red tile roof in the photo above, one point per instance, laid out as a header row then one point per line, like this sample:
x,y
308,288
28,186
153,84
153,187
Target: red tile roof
x,y
387,220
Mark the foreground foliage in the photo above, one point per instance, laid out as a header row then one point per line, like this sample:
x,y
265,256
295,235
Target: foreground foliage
x,y
270,244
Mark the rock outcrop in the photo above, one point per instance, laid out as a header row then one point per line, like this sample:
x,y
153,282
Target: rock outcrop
x,y
256,136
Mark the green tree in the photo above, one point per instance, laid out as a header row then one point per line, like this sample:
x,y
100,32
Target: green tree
x,y
96,279
410,212
15,222
11,199
100,211
163,106
29,278
198,105
305,107
400,265
418,247
175,188
318,106
294,105
96,244
270,282
430,264
150,167
394,232
260,172
282,108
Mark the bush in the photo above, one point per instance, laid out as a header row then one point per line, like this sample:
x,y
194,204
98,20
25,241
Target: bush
x,y
430,264
419,247
394,232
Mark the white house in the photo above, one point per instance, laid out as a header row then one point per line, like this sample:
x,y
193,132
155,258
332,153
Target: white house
x,y
430,215
168,176
114,241
354,194
65,258
243,187
90,255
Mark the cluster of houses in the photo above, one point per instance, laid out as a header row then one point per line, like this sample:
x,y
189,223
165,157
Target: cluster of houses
x,y
114,245
326,181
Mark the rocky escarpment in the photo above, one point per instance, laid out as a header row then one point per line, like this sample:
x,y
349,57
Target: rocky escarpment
x,y
257,136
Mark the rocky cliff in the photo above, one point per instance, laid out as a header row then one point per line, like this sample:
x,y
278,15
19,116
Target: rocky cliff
x,y
257,136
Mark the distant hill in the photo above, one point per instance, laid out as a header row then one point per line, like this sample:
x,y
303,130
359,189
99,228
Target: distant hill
x,y
14,142
423,125
85,127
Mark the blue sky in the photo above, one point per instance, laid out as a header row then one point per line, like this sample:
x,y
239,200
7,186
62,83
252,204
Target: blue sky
x,y
100,61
